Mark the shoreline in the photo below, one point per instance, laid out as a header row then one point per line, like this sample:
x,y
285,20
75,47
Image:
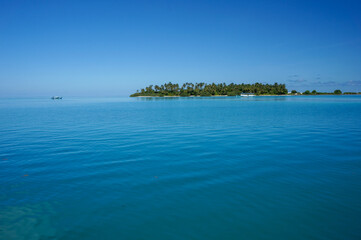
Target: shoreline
x,y
286,95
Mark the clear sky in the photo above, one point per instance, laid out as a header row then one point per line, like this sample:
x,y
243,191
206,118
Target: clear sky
x,y
113,48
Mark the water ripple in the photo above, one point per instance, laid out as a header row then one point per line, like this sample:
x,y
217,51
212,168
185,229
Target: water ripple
x,y
183,168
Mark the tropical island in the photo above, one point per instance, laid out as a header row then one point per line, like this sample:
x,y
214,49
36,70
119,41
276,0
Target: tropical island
x,y
222,89
204,89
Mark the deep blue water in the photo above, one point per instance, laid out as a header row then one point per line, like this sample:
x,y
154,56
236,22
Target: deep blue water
x,y
181,168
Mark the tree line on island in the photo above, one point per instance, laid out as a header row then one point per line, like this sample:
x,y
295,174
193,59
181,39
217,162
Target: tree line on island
x,y
222,89
204,89
314,92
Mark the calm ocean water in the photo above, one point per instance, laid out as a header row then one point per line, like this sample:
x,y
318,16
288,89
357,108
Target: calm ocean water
x,y
181,168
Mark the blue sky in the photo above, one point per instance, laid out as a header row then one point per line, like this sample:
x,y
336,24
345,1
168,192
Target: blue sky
x,y
113,48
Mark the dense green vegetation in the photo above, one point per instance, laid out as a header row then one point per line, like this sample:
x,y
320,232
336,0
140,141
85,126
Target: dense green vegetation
x,y
222,89
204,89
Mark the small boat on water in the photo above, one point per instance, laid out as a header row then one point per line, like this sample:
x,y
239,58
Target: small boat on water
x,y
247,95
56,97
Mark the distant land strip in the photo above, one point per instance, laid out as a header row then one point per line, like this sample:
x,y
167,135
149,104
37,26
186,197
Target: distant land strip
x,y
222,89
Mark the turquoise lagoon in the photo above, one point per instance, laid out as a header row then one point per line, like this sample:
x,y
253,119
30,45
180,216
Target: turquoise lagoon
x,y
181,168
